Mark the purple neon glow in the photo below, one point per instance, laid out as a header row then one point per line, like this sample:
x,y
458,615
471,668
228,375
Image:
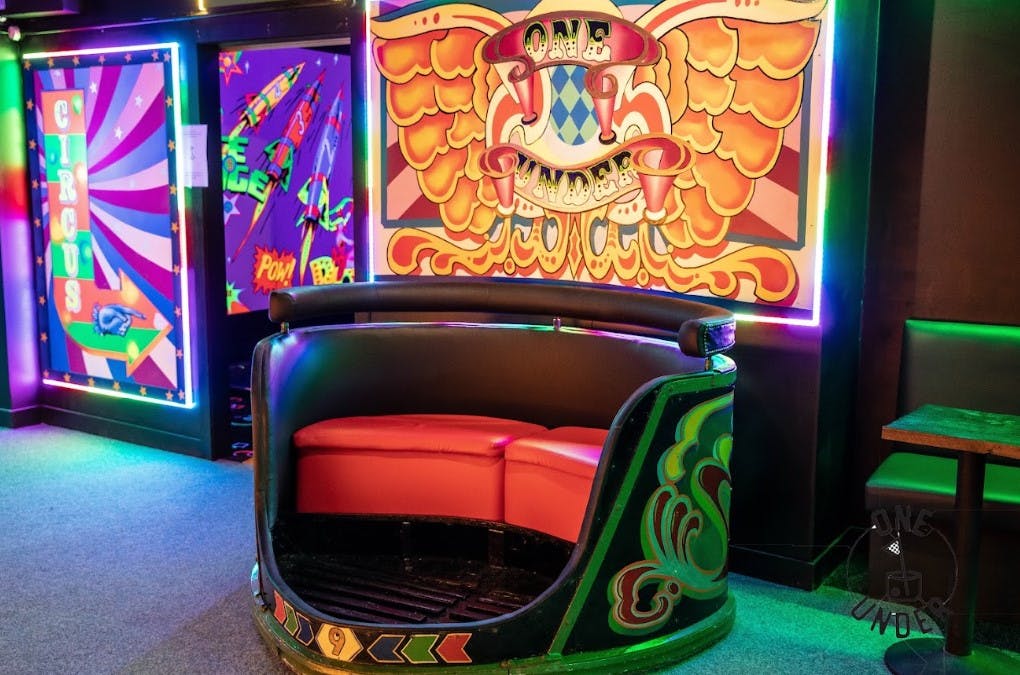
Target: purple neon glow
x,y
823,185
16,242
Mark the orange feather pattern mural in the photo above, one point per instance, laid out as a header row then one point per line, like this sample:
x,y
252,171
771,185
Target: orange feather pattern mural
x,y
676,146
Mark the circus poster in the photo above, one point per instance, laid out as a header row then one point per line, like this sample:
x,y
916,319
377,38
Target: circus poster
x,y
109,233
677,146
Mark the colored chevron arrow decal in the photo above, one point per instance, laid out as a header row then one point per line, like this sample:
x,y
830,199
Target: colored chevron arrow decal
x,y
338,642
278,610
291,624
419,649
451,649
304,633
384,649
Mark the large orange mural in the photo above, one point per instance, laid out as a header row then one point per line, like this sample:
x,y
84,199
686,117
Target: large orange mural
x,y
673,146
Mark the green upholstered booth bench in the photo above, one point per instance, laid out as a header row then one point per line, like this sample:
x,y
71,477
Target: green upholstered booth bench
x,y
962,365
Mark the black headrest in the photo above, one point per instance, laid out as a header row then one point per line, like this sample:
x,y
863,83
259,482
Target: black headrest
x,y
701,329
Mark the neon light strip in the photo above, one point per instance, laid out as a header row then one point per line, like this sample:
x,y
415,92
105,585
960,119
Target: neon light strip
x,y
182,238
100,50
755,318
823,188
112,393
823,180
537,328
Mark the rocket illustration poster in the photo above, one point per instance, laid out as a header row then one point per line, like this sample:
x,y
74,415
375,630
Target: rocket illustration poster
x,y
287,171
109,231
676,146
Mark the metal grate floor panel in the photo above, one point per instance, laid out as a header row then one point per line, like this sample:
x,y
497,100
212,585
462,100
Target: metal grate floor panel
x,y
392,589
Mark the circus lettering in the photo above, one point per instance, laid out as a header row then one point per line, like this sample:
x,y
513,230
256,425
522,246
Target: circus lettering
x,y
65,119
72,295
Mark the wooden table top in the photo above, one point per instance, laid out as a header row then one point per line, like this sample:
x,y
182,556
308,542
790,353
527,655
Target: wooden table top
x,y
958,429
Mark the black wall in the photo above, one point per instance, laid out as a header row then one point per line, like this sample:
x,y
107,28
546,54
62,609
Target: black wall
x,y
794,404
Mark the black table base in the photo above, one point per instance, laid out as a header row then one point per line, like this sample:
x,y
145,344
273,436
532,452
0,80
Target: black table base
x,y
975,435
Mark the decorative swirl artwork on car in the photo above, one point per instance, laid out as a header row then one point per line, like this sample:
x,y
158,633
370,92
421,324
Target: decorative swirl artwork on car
x,y
667,146
685,529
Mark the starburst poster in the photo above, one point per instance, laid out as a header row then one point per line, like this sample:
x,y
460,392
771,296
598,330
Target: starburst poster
x,y
109,232
287,170
676,146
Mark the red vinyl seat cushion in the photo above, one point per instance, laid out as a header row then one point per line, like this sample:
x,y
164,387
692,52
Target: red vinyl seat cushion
x,y
549,476
413,464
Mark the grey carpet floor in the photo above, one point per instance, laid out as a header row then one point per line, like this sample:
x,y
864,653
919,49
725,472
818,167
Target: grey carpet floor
x,y
116,558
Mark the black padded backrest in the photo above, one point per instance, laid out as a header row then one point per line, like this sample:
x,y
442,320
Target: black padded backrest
x,y
962,365
700,329
546,376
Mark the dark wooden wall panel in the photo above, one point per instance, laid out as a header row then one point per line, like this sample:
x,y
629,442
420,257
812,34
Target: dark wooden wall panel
x,y
944,236
900,119
968,253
